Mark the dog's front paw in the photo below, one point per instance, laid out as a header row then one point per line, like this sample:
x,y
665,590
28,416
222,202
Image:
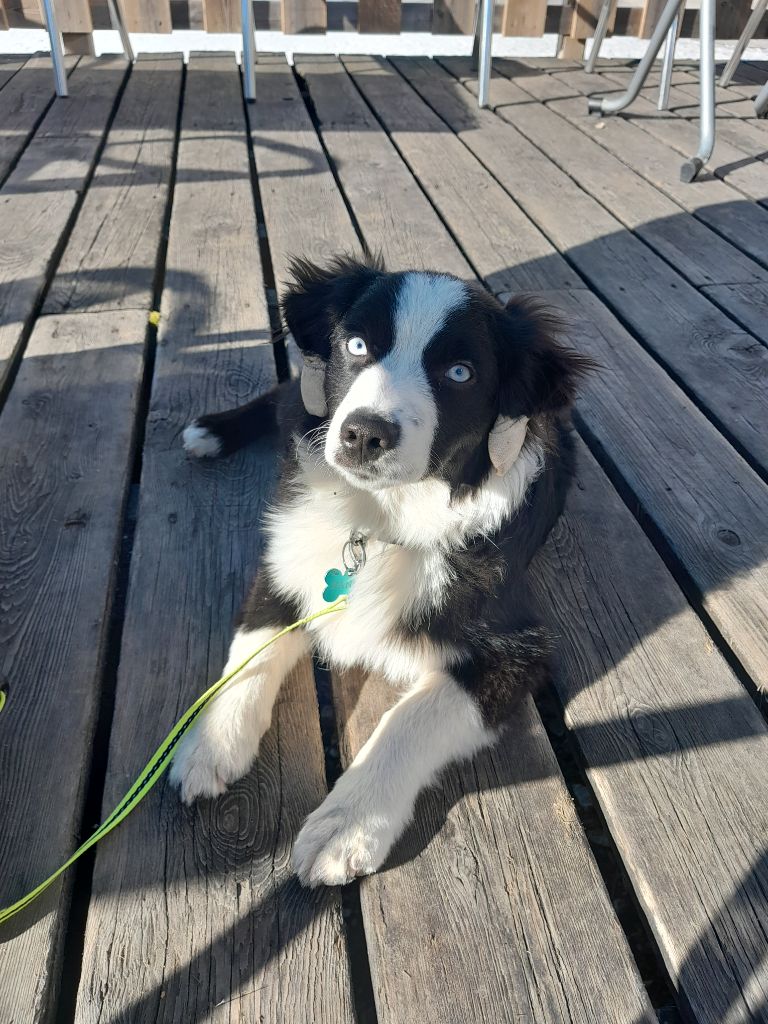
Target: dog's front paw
x,y
338,842
203,766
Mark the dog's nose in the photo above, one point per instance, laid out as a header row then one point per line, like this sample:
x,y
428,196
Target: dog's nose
x,y
365,437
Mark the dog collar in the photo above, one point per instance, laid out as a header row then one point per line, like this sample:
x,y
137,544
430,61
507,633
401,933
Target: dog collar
x,y
353,556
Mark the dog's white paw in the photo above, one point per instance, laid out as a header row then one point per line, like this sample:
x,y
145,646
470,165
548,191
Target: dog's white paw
x,y
204,765
338,842
200,442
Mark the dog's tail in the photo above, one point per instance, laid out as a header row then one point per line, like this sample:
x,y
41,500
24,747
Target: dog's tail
x,y
222,433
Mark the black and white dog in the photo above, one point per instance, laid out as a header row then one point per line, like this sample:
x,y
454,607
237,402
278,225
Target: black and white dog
x,y
424,449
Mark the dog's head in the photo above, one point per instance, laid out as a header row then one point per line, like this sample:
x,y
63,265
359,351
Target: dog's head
x,y
420,374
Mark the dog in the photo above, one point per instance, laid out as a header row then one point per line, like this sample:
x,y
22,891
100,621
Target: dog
x,y
425,460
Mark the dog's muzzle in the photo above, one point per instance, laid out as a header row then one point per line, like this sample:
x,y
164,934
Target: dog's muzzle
x,y
364,437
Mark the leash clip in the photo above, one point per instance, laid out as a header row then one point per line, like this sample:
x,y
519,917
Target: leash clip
x,y
353,553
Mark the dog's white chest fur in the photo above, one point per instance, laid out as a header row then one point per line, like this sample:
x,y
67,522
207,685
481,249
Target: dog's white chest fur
x,y
306,539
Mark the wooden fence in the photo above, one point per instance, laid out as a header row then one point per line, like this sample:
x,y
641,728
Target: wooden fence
x,y
572,19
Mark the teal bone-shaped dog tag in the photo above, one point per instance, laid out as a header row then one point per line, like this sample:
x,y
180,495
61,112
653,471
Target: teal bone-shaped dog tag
x,y
336,584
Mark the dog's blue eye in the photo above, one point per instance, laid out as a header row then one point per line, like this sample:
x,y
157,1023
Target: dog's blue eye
x,y
357,347
460,373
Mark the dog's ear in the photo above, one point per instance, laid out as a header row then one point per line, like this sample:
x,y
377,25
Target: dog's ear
x,y
537,374
316,297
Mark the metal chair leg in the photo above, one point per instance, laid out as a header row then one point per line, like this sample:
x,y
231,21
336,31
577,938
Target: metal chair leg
x,y
761,102
669,58
484,74
744,40
249,50
613,104
691,167
116,17
600,32
476,36
57,52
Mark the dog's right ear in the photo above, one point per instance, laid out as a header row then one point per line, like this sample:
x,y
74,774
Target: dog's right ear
x,y
315,299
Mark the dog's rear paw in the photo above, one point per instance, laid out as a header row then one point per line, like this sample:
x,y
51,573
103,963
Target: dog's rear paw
x,y
201,442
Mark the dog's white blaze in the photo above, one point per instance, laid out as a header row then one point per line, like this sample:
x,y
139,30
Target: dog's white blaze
x,y
352,832
397,386
224,741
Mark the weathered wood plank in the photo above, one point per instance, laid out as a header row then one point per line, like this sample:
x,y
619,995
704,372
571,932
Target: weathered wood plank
x,y
303,16
378,16
194,910
41,193
700,255
526,18
491,907
710,507
112,253
65,443
147,15
66,452
221,16
364,159
705,349
740,146
527,913
510,253
453,16
23,103
73,16
709,198
9,65
304,212
675,749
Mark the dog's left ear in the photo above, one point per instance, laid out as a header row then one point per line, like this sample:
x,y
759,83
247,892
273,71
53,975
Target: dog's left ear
x,y
315,299
538,375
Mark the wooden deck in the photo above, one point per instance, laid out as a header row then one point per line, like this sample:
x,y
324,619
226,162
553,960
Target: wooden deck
x,y
122,563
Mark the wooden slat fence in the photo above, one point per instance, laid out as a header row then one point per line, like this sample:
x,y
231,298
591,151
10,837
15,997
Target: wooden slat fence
x,y
574,20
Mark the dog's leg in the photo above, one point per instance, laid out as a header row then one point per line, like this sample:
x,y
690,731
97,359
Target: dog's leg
x,y
353,830
222,433
221,746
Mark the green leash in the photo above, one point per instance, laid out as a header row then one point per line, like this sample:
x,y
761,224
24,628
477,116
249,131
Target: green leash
x,y
158,762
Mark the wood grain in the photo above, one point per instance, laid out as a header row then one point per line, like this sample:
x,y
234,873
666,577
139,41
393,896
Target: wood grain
x,y
40,195
699,343
490,907
364,157
453,16
65,446
23,102
10,64
112,253
195,914
221,16
378,16
303,208
710,199
147,15
303,15
707,503
472,847
705,259
675,749
73,16
524,17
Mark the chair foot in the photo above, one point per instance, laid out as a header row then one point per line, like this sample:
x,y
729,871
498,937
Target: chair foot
x,y
690,169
